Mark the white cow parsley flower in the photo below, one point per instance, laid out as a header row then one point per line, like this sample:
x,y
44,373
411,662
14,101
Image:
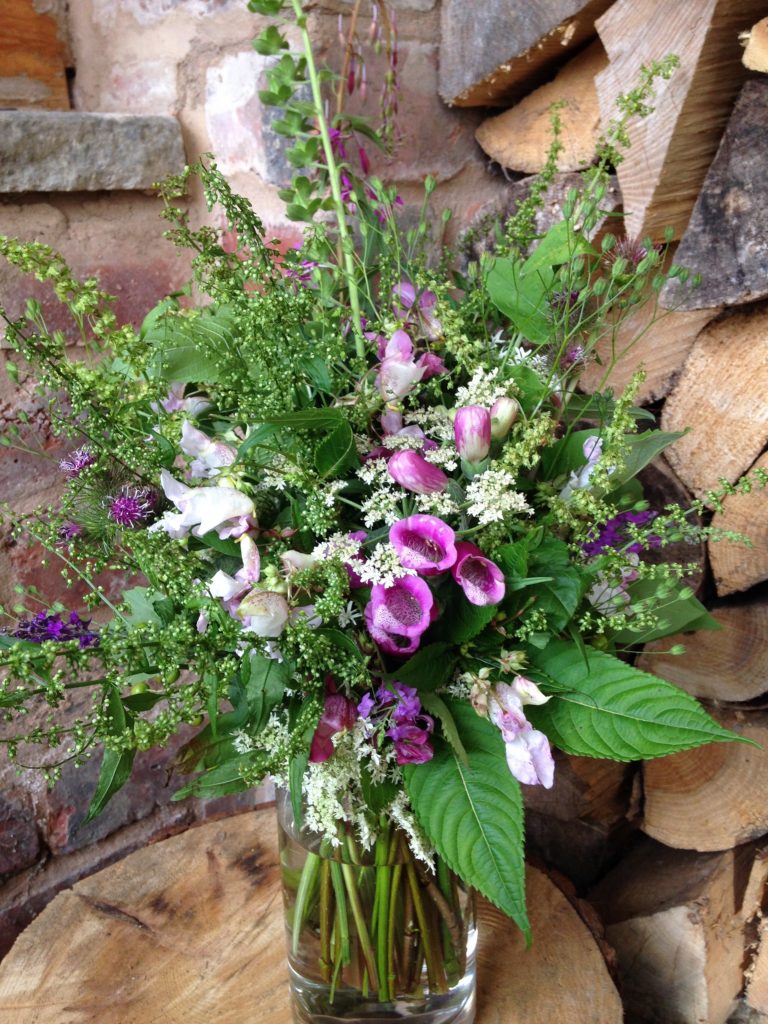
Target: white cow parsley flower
x,y
383,567
483,389
491,496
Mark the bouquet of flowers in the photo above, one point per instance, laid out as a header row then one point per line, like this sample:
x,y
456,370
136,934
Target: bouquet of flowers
x,y
375,537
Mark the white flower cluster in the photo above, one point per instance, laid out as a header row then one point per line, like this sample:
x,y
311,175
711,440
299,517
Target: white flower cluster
x,y
383,506
537,362
374,471
383,567
402,815
483,389
338,545
275,738
491,496
331,489
396,442
437,504
444,457
242,742
435,422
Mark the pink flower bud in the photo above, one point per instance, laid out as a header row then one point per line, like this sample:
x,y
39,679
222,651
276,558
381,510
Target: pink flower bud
x,y
412,471
472,432
504,412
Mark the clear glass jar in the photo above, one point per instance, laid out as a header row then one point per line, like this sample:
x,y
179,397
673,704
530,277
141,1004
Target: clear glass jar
x,y
374,936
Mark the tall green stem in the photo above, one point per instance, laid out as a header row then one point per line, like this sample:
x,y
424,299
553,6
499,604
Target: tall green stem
x,y
347,245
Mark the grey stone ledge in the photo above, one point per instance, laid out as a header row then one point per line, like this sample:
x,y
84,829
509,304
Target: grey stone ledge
x,y
70,151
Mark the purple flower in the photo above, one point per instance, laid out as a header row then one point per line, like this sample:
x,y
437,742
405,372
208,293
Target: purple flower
x,y
563,299
573,354
51,627
397,616
411,742
412,471
407,309
77,461
612,535
481,579
472,433
424,543
132,506
69,531
408,727
432,365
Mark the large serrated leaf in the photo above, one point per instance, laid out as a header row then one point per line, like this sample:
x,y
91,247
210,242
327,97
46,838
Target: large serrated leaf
x,y
606,708
473,813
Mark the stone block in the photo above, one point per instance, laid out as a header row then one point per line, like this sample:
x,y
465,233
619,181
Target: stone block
x,y
726,241
490,55
47,151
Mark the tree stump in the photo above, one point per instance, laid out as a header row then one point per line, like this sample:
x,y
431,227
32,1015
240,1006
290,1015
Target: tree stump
x,y
190,931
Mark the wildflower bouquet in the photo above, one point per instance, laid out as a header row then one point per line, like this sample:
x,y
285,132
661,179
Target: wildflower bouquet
x,y
375,537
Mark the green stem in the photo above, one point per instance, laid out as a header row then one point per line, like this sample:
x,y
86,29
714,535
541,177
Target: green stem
x,y
306,884
382,899
362,929
325,919
433,972
347,245
397,873
342,920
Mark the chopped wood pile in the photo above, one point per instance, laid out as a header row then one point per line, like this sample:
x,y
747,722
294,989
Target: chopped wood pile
x,y
673,853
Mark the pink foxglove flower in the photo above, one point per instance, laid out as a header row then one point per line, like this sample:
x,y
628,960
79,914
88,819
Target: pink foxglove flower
x,y
412,471
210,455
424,543
472,433
397,616
481,579
201,509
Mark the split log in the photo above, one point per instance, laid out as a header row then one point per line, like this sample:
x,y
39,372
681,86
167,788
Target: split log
x,y
756,49
736,566
720,395
713,797
673,147
582,824
191,931
729,665
726,241
757,974
678,921
487,60
521,137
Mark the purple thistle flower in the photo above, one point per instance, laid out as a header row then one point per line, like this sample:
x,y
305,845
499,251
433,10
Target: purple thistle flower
x,y
563,299
132,506
44,627
77,461
68,532
573,354
612,535
424,543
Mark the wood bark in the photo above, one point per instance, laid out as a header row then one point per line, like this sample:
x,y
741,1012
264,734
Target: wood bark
x,y
737,566
678,922
521,137
719,665
720,396
713,797
190,931
674,146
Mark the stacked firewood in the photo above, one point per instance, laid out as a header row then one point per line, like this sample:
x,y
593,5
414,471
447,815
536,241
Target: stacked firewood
x,y
673,853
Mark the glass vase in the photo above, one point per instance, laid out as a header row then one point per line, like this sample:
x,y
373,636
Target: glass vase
x,y
376,935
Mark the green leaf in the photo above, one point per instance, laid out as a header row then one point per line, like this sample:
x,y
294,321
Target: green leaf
x,y
643,448
308,419
337,451
558,595
219,781
429,668
677,615
560,244
114,773
270,7
473,813
565,455
226,547
264,681
296,769
437,707
512,559
187,345
522,298
607,708
256,438
141,608
270,42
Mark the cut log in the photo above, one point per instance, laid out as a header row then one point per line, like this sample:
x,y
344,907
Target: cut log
x,y
726,241
757,974
489,57
520,138
729,665
654,339
736,566
756,49
191,931
720,395
677,921
580,825
713,797
673,147
33,58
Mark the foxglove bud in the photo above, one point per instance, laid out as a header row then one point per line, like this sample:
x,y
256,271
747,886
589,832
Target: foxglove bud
x,y
504,412
412,471
472,433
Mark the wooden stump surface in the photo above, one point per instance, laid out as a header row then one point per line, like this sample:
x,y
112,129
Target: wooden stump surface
x,y
190,931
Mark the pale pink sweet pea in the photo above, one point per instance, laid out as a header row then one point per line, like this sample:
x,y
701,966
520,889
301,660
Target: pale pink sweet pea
x,y
263,612
211,456
472,432
481,579
201,509
406,308
424,543
580,479
432,365
412,471
528,752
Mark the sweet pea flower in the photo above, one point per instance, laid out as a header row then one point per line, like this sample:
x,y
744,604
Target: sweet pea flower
x,y
412,471
339,714
211,455
481,579
579,479
201,509
528,753
412,744
176,402
424,543
472,433
397,616
406,308
504,412
397,371
263,612
229,588
432,365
